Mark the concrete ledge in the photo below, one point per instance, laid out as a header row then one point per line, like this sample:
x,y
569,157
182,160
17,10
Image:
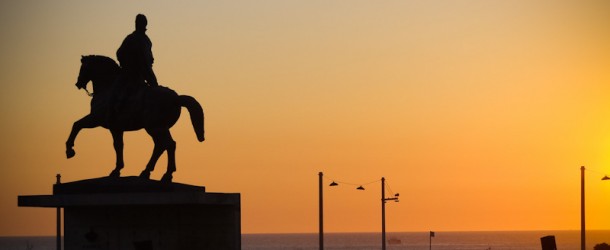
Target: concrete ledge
x,y
125,199
129,184
126,191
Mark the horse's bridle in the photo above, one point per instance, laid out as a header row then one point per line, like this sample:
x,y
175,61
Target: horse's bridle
x,y
90,94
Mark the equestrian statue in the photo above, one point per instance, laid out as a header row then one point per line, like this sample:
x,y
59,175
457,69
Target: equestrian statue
x,y
128,98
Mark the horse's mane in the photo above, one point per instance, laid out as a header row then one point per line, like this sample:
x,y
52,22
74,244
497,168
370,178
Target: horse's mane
x,y
102,60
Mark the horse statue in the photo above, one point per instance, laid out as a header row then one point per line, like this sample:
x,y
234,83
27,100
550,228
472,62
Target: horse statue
x,y
155,109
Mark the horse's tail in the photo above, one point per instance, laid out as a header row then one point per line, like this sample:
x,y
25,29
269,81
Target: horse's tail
x,y
196,113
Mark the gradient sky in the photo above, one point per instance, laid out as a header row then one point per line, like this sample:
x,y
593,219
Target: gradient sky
x,y
480,113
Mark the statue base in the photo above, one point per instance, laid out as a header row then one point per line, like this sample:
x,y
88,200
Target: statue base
x,y
134,213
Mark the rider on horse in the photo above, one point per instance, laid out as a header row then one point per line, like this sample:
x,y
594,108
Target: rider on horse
x,y
136,60
135,55
146,104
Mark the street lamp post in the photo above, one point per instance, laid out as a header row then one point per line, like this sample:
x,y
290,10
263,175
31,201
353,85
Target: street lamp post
x,y
58,239
383,200
321,211
382,213
583,244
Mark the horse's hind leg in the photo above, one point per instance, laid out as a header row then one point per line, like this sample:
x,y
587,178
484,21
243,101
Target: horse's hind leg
x,y
86,122
117,138
157,151
171,157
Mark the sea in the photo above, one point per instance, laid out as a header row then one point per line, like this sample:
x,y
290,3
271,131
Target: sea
x,y
510,240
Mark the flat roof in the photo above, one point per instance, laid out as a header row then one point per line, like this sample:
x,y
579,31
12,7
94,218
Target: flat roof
x,y
129,199
126,191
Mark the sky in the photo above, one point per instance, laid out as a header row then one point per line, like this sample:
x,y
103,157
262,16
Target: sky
x,y
479,113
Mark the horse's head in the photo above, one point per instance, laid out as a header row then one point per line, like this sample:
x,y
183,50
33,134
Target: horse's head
x,y
96,68
84,73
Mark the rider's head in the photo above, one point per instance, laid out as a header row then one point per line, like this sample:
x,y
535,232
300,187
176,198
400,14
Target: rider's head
x,y
141,22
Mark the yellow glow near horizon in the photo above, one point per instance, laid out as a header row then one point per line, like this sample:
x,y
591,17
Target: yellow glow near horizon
x,y
479,113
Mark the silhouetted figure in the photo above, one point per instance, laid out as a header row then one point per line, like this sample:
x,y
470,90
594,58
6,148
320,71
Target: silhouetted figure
x,y
158,110
136,59
135,55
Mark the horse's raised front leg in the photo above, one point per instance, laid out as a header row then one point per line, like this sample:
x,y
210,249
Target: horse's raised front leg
x,y
117,138
86,122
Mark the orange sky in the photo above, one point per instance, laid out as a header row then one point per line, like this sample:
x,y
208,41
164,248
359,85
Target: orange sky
x,y
480,113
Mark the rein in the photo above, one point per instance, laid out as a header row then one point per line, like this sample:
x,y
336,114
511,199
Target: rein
x,y
90,94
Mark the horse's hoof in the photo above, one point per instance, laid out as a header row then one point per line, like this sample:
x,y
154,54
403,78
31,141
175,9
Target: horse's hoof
x,y
167,178
115,173
70,153
145,175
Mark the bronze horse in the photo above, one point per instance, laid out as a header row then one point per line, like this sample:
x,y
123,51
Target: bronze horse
x,y
155,109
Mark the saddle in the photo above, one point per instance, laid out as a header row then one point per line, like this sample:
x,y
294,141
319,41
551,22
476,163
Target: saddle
x,y
125,101
130,99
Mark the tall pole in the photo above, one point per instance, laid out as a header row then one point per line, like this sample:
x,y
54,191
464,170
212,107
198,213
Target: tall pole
x,y
58,240
382,213
321,211
583,244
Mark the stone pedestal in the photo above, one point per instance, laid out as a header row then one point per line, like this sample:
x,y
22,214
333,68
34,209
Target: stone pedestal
x,y
132,213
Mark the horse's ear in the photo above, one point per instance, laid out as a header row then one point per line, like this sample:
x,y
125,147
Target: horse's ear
x,y
82,58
